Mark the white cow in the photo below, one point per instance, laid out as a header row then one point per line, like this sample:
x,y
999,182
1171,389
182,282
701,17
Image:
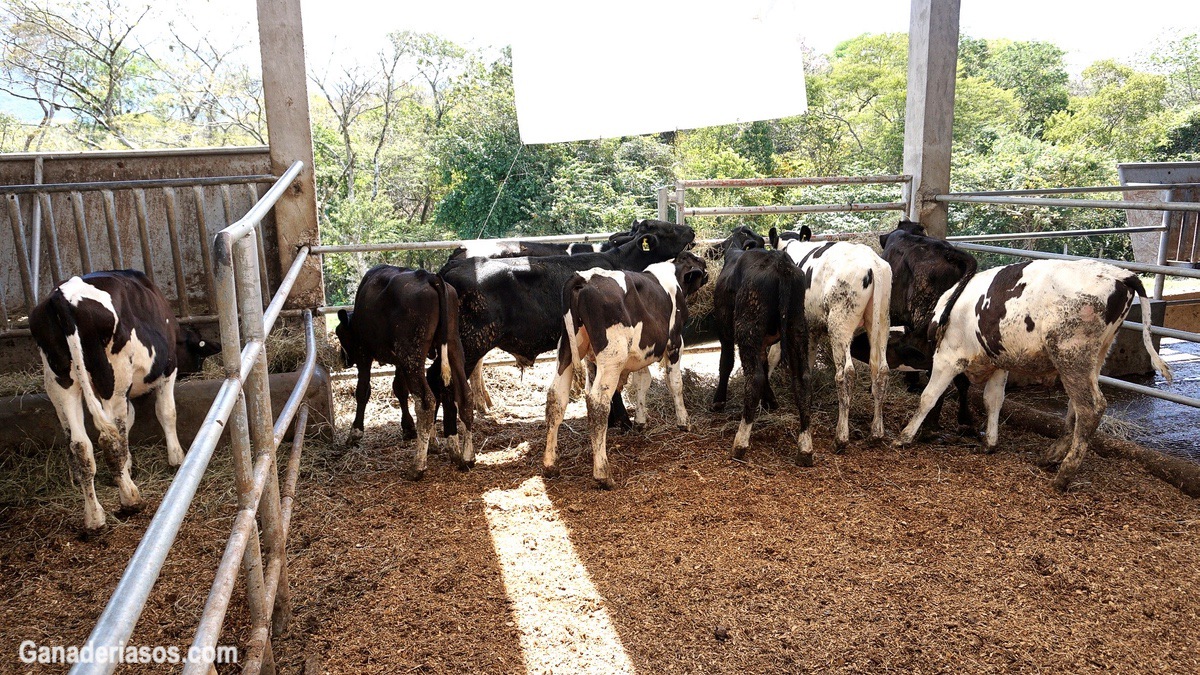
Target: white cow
x,y
849,289
1038,318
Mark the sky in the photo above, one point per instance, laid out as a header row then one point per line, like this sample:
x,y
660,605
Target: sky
x,y
348,30
1106,29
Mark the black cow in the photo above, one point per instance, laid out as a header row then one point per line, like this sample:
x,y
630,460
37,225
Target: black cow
x,y
400,317
923,268
515,304
621,322
105,338
742,238
759,301
516,249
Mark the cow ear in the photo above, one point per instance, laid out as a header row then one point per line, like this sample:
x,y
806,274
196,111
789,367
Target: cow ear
x,y
805,233
774,235
883,239
649,242
343,316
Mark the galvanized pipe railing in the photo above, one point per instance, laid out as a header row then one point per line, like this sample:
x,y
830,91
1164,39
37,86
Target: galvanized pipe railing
x,y
678,198
36,240
253,440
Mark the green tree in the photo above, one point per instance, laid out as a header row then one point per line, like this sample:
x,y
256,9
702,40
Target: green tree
x,y
1121,111
1035,73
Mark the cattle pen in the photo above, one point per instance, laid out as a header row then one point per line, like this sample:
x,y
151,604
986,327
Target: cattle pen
x,y
299,551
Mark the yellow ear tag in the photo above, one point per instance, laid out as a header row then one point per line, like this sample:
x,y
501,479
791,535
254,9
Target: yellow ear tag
x,y
645,244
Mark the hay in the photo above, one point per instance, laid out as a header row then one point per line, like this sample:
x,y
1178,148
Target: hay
x,y
21,382
700,304
285,353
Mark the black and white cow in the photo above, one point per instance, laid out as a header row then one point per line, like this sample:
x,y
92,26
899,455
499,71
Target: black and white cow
x,y
759,302
849,289
622,322
401,316
1039,318
923,268
519,248
515,304
105,338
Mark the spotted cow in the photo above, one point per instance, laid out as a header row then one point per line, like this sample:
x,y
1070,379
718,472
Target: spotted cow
x,y
849,289
622,322
105,338
1038,318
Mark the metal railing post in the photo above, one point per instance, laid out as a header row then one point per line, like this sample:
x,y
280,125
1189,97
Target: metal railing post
x,y
258,396
663,206
18,230
1164,242
679,203
228,302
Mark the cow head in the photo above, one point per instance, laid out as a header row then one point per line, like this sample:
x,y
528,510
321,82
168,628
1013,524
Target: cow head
x,y
660,239
779,240
691,271
743,238
345,336
618,238
191,350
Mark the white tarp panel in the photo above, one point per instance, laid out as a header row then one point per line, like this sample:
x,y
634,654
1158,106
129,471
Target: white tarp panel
x,y
615,68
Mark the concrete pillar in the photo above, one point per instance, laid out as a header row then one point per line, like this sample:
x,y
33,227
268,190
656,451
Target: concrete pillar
x,y
929,119
285,93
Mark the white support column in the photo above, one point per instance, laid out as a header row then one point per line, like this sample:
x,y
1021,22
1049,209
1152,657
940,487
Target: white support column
x,y
929,119
285,93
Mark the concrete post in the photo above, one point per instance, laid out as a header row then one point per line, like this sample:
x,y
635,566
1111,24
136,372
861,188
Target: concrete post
x,y
285,93
929,119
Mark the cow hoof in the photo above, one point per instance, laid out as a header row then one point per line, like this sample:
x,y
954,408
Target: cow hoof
x,y
738,453
684,427
840,446
604,483
408,433
551,471
804,459
1061,483
416,474
770,406
87,534
131,510
621,425
900,443
717,407
1047,465
465,465
354,437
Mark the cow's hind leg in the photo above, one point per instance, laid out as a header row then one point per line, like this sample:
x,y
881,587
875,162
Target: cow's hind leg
x,y
843,376
408,429
116,455
725,368
164,409
944,371
599,400
362,395
640,380
755,372
993,400
1089,405
68,403
1053,455
557,398
426,407
675,386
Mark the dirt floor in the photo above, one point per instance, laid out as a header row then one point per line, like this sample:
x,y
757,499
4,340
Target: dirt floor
x,y
928,559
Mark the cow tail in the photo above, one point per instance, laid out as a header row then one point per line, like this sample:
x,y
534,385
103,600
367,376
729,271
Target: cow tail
x,y
570,292
66,318
943,322
791,305
1135,284
442,334
881,301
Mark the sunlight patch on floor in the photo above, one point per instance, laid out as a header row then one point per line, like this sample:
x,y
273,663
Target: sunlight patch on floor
x,y
512,453
564,625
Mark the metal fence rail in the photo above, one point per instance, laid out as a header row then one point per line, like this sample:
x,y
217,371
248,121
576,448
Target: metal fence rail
x,y
1160,270
676,195
243,405
46,240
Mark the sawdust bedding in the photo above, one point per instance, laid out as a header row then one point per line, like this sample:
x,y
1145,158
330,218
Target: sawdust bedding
x,y
928,559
